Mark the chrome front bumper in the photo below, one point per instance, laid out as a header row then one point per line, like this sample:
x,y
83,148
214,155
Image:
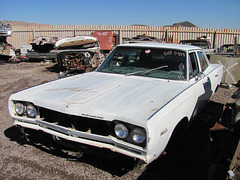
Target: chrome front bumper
x,y
108,142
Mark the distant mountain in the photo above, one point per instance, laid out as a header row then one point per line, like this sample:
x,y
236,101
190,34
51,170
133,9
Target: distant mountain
x,y
182,24
22,23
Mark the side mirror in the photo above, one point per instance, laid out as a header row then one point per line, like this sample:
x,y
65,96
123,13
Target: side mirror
x,y
200,75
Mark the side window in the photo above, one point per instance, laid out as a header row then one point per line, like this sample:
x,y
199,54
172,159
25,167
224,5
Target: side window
x,y
203,61
193,69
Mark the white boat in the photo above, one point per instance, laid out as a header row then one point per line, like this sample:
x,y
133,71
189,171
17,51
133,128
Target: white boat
x,y
75,41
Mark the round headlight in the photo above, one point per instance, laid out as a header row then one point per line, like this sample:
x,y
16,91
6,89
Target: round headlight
x,y
31,111
121,131
19,108
138,135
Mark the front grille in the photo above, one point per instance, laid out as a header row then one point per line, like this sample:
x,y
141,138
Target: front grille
x,y
83,124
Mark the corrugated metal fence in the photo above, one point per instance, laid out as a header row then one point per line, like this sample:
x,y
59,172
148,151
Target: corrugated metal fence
x,y
22,35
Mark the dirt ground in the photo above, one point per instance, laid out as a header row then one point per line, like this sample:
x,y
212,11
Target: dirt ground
x,y
44,159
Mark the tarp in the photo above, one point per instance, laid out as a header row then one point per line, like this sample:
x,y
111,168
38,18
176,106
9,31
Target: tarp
x,y
231,67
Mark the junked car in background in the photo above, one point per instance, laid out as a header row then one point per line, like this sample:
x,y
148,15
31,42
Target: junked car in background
x,y
132,104
5,29
41,48
78,54
7,52
202,42
228,50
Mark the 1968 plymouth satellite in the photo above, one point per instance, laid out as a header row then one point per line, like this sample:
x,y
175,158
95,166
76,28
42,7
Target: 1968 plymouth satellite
x,y
131,104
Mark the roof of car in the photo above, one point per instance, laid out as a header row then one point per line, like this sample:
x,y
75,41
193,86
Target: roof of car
x,y
195,40
230,45
161,45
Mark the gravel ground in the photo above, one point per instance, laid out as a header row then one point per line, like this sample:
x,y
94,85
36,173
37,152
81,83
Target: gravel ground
x,y
43,159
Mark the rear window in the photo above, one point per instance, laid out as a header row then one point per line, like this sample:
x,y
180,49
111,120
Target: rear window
x,y
203,61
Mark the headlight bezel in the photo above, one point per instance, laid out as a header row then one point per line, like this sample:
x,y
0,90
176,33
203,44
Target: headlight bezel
x,y
31,110
133,130
121,131
137,133
22,108
18,106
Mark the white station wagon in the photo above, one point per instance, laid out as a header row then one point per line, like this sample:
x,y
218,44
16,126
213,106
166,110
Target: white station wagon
x,y
131,104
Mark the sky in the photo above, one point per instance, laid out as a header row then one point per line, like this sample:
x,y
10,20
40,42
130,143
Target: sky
x,y
204,13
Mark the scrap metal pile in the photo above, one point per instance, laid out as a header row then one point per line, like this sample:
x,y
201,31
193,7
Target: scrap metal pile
x,y
6,50
5,29
141,38
225,137
80,61
42,45
78,54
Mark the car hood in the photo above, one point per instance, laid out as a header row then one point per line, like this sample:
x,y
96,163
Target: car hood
x,y
104,96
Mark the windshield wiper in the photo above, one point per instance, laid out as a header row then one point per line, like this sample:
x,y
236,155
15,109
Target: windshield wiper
x,y
157,68
132,73
145,72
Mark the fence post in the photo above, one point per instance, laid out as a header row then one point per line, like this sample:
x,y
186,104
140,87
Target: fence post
x,y
214,39
166,36
74,32
235,47
33,36
120,36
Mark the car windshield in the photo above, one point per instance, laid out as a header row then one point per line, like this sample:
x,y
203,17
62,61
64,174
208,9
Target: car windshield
x,y
148,62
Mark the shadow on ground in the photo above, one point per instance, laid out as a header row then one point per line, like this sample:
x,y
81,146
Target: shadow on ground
x,y
117,166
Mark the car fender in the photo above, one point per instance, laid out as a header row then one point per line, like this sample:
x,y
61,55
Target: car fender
x,y
163,123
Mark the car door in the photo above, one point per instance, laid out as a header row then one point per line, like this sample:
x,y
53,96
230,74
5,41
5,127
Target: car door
x,y
201,83
205,76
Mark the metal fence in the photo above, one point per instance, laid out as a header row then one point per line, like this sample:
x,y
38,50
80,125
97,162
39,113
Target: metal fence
x,y
22,35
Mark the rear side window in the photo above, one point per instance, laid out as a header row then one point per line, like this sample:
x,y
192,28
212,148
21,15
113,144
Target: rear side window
x,y
193,70
203,61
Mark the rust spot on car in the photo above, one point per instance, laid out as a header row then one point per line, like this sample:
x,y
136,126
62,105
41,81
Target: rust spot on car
x,y
148,140
43,82
69,89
